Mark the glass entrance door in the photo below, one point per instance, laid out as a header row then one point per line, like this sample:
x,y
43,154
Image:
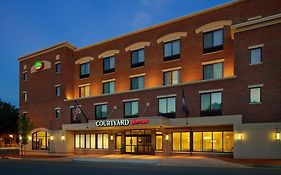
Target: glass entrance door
x,y
138,142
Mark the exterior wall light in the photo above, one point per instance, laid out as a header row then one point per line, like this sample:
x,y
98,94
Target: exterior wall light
x,y
277,135
111,137
240,136
20,137
52,138
63,138
167,137
29,137
11,136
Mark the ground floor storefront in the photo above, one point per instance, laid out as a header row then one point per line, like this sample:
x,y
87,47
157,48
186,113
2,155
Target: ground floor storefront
x,y
224,135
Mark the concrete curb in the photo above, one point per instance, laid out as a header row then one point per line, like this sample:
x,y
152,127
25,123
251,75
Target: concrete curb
x,y
118,161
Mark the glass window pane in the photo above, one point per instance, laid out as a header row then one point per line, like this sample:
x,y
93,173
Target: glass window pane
x,y
176,47
159,142
208,72
208,40
134,108
104,111
205,102
134,82
218,70
93,141
100,140
141,82
167,49
255,95
112,62
162,106
82,140
176,141
185,141
77,141
112,87
171,105
88,139
216,101
141,55
127,109
167,78
105,141
197,141
118,142
227,141
218,37
207,141
217,141
175,77
255,56
98,111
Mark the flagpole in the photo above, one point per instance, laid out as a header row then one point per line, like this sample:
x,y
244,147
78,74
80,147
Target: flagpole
x,y
87,120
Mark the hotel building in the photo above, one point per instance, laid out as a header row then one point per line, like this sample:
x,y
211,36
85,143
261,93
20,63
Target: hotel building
x,y
205,83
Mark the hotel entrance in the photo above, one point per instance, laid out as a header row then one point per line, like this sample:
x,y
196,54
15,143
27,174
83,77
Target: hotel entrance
x,y
138,142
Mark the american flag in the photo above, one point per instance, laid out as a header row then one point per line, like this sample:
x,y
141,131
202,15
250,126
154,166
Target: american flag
x,y
76,111
184,107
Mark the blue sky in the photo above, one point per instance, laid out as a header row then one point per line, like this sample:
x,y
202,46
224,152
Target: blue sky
x,y
30,25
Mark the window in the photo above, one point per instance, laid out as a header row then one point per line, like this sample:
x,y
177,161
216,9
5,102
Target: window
x,y
213,71
256,55
91,141
181,141
118,144
218,141
24,76
171,50
131,109
57,112
137,82
255,95
84,91
159,141
213,41
84,70
109,87
101,111
57,67
171,77
57,87
137,58
167,107
108,64
24,96
41,141
211,104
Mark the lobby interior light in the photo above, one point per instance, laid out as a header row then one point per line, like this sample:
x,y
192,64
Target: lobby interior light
x,y
277,135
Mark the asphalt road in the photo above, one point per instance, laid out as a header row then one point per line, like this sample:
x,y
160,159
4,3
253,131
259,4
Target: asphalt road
x,y
32,167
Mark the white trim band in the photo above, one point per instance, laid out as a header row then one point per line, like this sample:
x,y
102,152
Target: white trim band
x,y
81,85
164,96
256,85
101,103
109,80
171,69
209,91
137,75
256,46
133,99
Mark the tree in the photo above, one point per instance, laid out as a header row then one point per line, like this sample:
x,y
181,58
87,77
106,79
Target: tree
x,y
24,127
8,118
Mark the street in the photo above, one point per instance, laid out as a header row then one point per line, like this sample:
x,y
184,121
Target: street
x,y
49,167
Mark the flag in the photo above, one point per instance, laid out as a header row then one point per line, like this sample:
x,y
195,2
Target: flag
x,y
76,112
184,107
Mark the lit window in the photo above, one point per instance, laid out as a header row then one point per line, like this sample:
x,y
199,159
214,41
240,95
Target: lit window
x,y
40,141
101,111
84,70
84,91
171,77
118,140
24,96
57,87
256,55
181,141
131,109
255,95
211,104
167,107
57,67
137,82
137,58
57,112
91,141
213,41
108,64
213,71
109,87
159,141
171,50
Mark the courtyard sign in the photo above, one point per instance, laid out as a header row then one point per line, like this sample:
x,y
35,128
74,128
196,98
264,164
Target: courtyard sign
x,y
120,122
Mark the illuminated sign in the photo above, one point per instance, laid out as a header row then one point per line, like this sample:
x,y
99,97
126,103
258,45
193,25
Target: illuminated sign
x,y
121,122
39,65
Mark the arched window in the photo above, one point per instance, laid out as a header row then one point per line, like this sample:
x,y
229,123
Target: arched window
x,y
41,140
